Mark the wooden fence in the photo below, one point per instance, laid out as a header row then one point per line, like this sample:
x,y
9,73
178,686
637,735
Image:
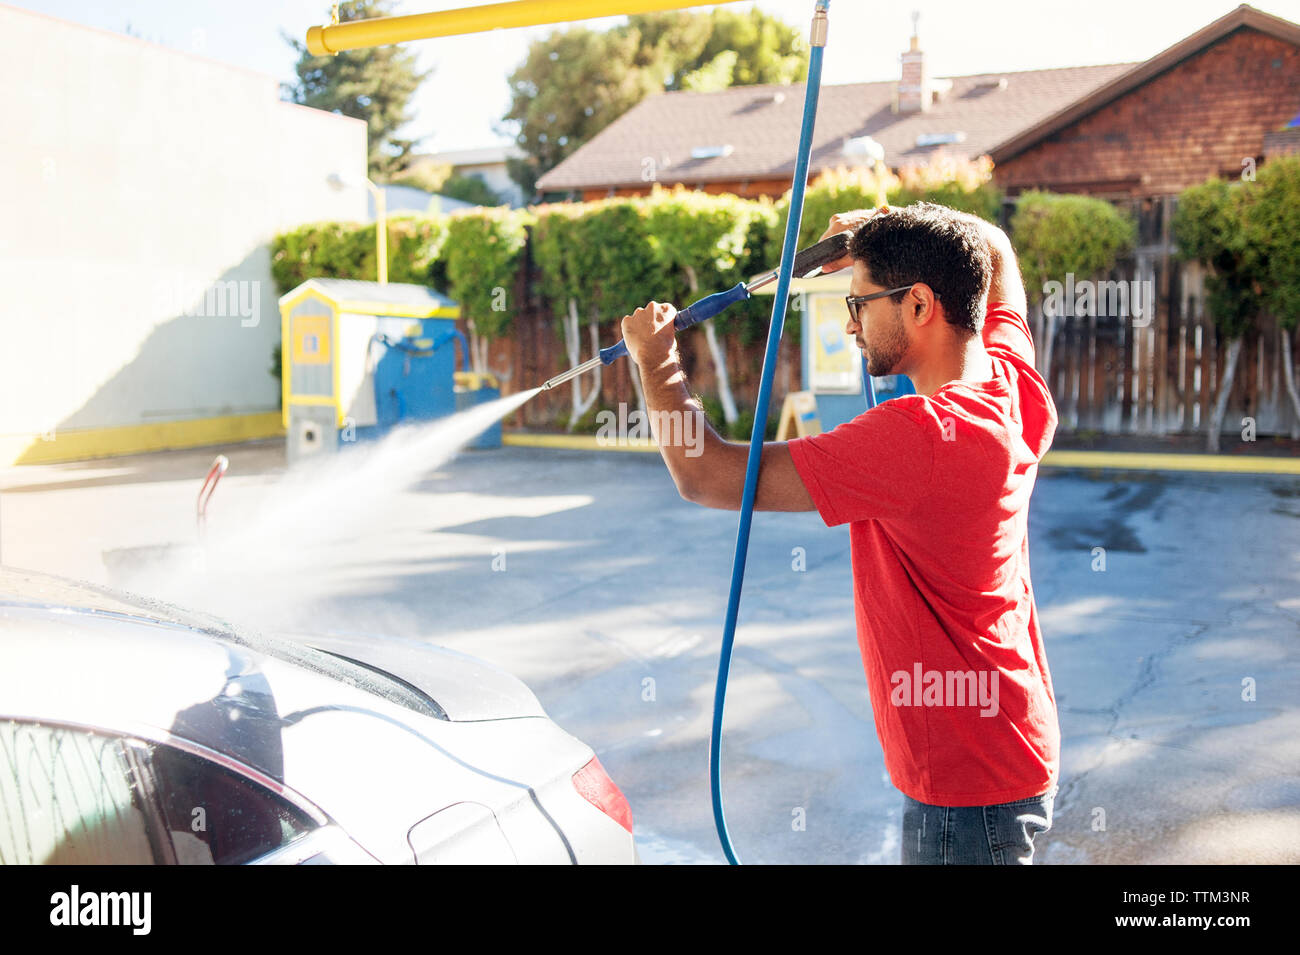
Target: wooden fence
x,y
1120,373
1114,372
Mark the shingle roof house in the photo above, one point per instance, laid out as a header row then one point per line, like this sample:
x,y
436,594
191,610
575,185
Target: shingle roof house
x,y
742,139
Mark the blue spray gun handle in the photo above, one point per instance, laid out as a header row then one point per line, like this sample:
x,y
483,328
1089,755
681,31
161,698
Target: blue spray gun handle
x,y
701,311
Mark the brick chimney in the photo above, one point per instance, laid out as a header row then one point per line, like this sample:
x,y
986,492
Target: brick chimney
x,y
915,92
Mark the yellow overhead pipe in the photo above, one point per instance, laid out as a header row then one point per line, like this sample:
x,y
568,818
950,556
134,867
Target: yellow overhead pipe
x,y
379,31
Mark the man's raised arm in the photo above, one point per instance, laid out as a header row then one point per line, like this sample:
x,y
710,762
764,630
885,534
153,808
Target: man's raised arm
x,y
1005,285
707,469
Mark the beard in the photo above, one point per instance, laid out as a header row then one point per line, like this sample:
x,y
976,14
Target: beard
x,y
887,349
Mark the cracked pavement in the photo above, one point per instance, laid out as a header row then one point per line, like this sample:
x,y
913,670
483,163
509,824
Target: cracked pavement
x,y
1173,648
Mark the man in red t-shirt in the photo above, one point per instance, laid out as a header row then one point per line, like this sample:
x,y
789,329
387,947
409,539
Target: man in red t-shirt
x,y
935,489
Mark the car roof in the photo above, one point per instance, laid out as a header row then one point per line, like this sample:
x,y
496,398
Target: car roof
x,y
78,653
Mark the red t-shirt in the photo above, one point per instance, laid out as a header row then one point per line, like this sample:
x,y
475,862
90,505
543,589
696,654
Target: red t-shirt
x,y
936,492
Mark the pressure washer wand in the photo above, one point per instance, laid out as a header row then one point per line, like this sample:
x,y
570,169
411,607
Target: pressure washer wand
x,y
806,264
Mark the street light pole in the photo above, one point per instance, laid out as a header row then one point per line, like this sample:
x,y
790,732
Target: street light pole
x,y
381,229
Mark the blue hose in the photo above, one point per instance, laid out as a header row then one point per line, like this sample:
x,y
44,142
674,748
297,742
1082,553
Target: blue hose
x,y
774,331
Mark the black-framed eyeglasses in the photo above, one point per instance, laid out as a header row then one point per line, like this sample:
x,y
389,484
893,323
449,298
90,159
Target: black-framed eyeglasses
x,y
855,300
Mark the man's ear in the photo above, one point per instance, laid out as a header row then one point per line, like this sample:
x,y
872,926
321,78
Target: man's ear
x,y
922,303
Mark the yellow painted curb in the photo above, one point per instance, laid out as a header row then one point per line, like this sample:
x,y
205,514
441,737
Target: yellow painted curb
x,y
80,445
1145,461
575,442
1121,460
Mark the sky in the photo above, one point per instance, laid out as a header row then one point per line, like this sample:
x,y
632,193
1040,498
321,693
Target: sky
x,y
460,105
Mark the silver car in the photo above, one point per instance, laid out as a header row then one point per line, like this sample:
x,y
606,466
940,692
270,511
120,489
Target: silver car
x,y
131,732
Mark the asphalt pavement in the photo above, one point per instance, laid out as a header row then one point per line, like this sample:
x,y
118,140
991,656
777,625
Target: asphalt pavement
x,y
1175,661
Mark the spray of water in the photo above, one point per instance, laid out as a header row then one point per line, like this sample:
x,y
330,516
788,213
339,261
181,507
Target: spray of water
x,y
267,565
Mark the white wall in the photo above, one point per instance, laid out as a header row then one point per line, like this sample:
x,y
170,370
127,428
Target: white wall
x,y
134,181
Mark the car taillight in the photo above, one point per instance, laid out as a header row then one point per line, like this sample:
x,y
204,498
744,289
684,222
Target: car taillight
x,y
595,786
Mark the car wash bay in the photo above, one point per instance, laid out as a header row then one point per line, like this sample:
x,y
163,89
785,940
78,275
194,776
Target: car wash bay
x,y
584,574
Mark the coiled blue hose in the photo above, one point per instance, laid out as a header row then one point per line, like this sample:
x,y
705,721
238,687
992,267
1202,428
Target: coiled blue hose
x,y
777,326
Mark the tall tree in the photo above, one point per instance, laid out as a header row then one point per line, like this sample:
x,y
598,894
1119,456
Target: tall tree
x,y
1275,245
709,235
573,84
482,253
566,262
375,85
1211,225
576,82
744,48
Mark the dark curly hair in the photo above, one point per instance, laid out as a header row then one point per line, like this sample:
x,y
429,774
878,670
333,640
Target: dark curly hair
x,y
929,243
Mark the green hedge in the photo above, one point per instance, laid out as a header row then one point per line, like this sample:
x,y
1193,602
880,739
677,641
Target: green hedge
x,y
1275,238
483,253
964,185
612,255
1245,233
1055,235
346,250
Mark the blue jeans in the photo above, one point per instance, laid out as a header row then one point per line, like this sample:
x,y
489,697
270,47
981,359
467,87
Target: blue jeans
x,y
1002,834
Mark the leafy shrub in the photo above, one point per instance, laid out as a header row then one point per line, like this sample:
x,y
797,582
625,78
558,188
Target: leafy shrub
x,y
962,184
483,252
1273,239
346,250
1058,234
